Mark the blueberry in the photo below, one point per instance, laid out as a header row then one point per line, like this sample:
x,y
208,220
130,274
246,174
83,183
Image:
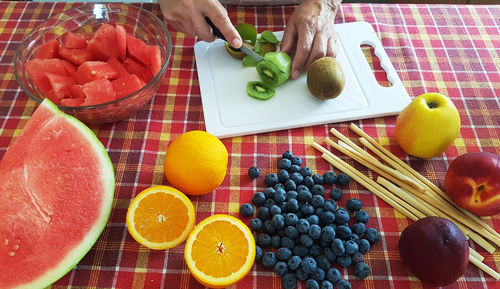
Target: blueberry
x,y
358,257
362,270
269,203
319,275
253,172
327,217
294,169
308,182
309,265
344,261
317,201
279,185
302,226
336,194
315,250
272,179
287,155
296,160
280,268
274,210
329,177
323,262
279,195
304,196
372,235
307,209
333,275
338,247
314,232
246,210
318,190
330,205
341,216
292,205
269,259
312,284
329,254
343,179
344,284
258,199
290,185
306,240
287,242
300,251
269,193
319,211
364,246
285,164
301,274
264,240
355,238
313,219
291,232
354,204
294,262
258,253
327,233
256,224
283,176
351,247
289,281
283,254
361,216
306,172
268,227
318,179
291,219
275,241
343,232
278,221
292,194
297,178
325,284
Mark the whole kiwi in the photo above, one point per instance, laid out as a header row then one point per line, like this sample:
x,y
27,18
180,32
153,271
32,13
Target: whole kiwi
x,y
325,78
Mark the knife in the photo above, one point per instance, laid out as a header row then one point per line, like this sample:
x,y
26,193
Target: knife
x,y
246,48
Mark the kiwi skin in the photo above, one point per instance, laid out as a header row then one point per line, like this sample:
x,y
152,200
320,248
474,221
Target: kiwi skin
x,y
325,78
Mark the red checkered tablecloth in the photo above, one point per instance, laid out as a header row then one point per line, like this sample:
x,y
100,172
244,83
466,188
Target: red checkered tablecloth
x,y
454,50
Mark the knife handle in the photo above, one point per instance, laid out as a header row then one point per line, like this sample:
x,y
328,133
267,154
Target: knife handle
x,y
215,30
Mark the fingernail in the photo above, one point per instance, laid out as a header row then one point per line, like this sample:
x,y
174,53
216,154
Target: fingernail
x,y
295,74
236,42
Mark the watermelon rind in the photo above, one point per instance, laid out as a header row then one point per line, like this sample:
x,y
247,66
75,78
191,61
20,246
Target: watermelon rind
x,y
107,174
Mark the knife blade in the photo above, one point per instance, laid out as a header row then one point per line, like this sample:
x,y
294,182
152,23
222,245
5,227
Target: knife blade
x,y
246,48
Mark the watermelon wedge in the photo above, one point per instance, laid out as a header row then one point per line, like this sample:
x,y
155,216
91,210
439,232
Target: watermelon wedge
x,y
56,193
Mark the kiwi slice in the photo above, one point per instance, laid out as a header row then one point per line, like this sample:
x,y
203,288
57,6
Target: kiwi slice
x,y
276,69
269,37
260,90
325,78
249,61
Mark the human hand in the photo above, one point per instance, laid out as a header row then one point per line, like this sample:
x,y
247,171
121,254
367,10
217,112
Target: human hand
x,y
188,16
310,32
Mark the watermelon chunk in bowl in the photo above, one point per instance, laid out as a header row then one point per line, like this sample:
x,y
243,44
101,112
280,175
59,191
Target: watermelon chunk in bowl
x,y
93,45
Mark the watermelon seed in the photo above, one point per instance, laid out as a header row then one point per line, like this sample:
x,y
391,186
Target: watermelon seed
x,y
16,247
6,242
12,254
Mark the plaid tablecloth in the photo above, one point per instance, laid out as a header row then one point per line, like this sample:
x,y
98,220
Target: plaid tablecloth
x,y
450,49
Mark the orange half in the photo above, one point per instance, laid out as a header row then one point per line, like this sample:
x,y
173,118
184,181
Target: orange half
x,y
160,217
220,251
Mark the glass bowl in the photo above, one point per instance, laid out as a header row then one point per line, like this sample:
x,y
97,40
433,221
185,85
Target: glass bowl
x,y
87,18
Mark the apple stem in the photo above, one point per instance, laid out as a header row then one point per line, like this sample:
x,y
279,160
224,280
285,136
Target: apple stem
x,y
432,104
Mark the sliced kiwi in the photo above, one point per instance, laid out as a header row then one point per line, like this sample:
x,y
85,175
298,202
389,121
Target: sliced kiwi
x,y
269,37
249,61
268,47
276,69
260,90
248,33
325,78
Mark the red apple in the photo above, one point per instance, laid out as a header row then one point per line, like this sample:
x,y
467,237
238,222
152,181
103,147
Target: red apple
x,y
473,182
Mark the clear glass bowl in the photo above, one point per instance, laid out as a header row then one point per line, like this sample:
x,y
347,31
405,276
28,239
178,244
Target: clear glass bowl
x,y
87,18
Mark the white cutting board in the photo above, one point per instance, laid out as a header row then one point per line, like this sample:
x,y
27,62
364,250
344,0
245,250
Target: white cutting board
x,y
229,111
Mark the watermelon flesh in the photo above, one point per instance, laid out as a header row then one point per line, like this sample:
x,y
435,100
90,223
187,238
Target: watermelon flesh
x,y
56,193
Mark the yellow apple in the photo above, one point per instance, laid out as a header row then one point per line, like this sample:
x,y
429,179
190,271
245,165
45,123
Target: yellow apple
x,y
427,126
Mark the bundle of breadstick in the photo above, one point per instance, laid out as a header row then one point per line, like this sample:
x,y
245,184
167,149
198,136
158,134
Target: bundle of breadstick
x,y
408,191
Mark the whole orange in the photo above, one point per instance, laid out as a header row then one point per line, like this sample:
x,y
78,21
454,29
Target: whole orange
x,y
196,162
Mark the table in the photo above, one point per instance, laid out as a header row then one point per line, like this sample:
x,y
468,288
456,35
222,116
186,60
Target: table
x,y
444,48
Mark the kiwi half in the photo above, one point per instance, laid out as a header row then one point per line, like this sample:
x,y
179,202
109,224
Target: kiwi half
x,y
260,90
325,78
269,37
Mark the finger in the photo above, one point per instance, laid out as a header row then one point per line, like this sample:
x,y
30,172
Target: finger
x,y
289,37
219,17
333,46
203,30
304,45
319,49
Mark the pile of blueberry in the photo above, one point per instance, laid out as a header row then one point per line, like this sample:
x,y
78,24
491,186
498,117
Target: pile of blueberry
x,y
300,231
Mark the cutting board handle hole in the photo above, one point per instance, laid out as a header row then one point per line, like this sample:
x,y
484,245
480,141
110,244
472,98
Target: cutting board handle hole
x,y
374,62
